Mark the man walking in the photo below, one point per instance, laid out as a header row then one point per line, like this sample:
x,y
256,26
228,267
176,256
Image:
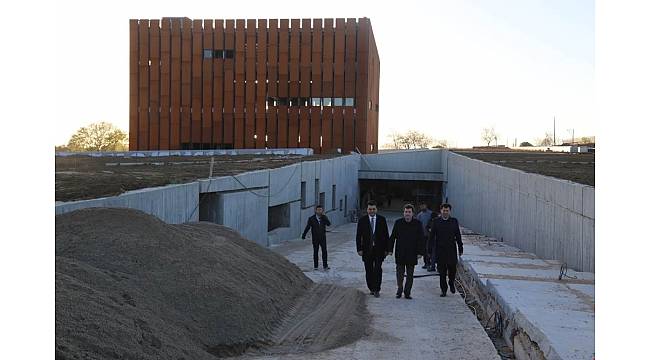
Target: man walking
x,y
445,234
317,223
424,217
407,239
372,245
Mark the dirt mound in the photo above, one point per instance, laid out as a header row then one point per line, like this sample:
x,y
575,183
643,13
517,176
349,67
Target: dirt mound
x,y
130,286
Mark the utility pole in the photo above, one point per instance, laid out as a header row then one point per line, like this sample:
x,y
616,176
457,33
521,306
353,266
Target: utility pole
x,y
573,131
553,130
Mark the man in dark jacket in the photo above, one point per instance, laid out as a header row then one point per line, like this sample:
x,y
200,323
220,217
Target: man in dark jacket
x,y
372,245
407,238
445,234
317,223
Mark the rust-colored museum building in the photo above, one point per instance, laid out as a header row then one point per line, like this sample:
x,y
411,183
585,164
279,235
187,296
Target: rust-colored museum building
x,y
232,84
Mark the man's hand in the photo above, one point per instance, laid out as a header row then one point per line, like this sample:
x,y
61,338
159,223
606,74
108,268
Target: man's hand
x,y
460,252
303,237
360,252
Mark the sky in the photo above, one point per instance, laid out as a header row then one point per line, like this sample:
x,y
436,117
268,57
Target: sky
x,y
448,68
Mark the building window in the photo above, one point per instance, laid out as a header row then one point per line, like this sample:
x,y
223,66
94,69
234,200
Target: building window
x,y
316,191
315,102
349,101
327,101
218,54
333,197
303,194
279,216
338,101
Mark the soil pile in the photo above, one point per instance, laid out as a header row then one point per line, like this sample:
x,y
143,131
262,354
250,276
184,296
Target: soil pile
x,y
130,286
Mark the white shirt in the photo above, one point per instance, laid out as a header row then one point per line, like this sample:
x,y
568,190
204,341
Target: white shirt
x,y
372,223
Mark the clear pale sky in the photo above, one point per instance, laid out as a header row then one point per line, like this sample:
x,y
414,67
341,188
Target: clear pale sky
x,y
448,68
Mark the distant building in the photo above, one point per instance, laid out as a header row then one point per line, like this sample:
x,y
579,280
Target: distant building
x,y
224,84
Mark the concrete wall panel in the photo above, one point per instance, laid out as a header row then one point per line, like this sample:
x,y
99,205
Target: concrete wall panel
x,y
172,204
588,202
284,185
549,217
242,212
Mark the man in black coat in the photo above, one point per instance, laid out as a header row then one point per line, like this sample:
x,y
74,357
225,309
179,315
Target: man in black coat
x,y
407,238
445,234
317,223
372,245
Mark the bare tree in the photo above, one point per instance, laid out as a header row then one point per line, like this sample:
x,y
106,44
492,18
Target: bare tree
x,y
586,140
440,143
547,140
100,136
412,139
394,140
488,135
416,140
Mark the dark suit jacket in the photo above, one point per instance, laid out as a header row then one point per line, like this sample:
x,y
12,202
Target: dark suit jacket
x,y
364,237
445,235
408,240
317,230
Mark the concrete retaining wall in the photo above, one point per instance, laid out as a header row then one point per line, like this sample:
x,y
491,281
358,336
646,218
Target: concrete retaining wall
x,y
173,204
550,217
242,201
418,165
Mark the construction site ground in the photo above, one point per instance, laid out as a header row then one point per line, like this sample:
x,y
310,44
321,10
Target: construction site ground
x,y
543,315
426,327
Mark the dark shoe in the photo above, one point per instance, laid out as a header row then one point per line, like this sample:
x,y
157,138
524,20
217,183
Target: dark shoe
x,y
315,267
326,268
398,295
376,294
408,297
452,288
424,266
443,294
431,269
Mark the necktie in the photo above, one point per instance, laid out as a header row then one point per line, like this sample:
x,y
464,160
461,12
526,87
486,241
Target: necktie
x,y
373,224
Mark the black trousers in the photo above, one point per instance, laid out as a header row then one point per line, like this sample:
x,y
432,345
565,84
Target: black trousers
x,y
446,270
431,246
400,278
427,257
373,273
323,246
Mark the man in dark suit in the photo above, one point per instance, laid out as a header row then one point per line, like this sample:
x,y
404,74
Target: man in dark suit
x,y
317,223
407,238
445,235
372,242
